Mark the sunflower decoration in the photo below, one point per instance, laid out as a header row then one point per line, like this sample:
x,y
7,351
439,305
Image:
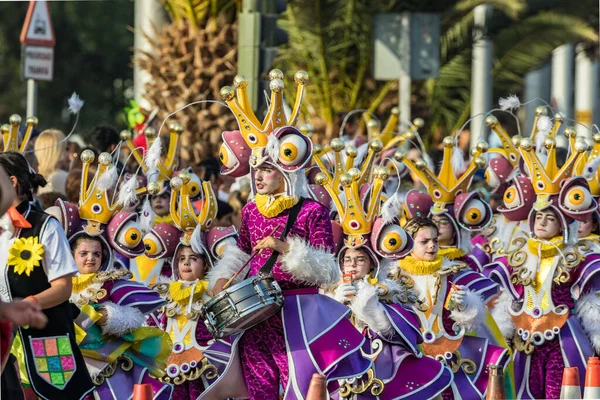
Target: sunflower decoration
x,y
25,254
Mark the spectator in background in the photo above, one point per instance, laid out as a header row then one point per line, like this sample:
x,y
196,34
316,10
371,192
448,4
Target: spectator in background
x,y
103,138
47,199
73,184
51,152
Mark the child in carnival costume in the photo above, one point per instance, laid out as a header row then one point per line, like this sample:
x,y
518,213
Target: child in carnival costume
x,y
377,303
38,268
187,367
309,324
550,283
110,308
456,211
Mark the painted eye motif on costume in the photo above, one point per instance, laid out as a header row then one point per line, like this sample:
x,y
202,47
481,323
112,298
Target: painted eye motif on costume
x,y
392,239
227,157
152,245
129,235
194,185
578,198
512,199
292,150
491,178
475,212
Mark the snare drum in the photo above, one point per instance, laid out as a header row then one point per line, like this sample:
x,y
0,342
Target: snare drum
x,y
241,306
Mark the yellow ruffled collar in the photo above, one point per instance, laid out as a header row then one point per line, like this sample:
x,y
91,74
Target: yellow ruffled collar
x,y
271,206
451,253
166,219
81,282
180,291
545,248
420,267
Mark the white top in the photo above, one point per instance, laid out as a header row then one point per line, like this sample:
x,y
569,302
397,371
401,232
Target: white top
x,y
58,259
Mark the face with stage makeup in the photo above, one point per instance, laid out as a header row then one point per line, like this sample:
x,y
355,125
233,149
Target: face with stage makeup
x,y
426,244
87,254
160,204
587,227
357,263
546,225
190,265
268,180
446,235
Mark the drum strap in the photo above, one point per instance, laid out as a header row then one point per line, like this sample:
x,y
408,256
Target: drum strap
x,y
294,211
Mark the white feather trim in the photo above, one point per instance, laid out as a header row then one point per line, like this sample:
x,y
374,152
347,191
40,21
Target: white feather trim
x,y
75,103
121,319
310,264
591,167
509,103
391,209
501,314
367,308
153,154
587,310
388,268
544,127
146,217
473,315
273,148
458,161
109,178
361,153
573,232
298,183
226,267
127,196
196,241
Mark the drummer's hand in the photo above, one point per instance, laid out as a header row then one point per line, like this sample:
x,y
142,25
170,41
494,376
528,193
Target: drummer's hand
x,y
272,243
218,288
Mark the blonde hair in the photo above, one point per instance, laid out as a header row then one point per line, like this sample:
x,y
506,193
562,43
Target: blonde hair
x,y
48,148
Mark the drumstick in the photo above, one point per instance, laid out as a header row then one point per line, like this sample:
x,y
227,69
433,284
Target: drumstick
x,y
252,255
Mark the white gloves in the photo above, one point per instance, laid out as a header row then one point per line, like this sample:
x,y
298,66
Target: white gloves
x,y
345,293
460,298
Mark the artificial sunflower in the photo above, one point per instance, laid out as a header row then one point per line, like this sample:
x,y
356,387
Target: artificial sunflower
x,y
25,254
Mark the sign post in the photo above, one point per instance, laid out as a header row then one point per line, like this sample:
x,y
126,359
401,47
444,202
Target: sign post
x,y
38,40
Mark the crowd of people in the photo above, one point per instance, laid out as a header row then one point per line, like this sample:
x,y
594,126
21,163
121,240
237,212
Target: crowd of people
x,y
369,264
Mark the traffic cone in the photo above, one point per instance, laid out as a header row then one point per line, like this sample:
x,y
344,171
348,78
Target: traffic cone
x,y
571,388
142,391
495,387
592,379
318,388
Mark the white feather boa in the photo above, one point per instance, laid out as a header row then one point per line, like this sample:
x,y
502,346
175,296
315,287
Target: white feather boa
x,y
121,319
501,314
367,308
310,264
473,315
587,310
232,261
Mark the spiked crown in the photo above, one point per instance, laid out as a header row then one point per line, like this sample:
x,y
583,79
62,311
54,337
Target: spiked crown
x,y
10,133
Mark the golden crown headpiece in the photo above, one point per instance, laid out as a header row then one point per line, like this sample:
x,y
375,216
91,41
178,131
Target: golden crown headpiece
x,y
389,130
407,135
182,209
444,187
167,167
593,175
95,204
344,186
253,131
10,133
547,179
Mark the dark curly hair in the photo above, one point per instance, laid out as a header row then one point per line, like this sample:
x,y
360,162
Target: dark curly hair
x,y
16,165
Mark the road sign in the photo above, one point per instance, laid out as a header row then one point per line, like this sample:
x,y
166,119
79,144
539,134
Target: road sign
x,y
38,63
38,29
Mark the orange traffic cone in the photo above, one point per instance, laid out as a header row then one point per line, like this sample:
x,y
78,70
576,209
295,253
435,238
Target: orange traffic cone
x,y
318,388
495,387
592,379
571,388
142,391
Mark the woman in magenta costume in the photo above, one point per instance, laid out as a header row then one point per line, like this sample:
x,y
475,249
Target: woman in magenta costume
x,y
456,211
549,303
311,326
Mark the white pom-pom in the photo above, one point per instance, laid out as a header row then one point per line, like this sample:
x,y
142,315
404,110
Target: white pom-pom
x,y
127,196
109,178
75,103
147,217
510,103
273,148
390,209
153,154
458,161
544,127
591,168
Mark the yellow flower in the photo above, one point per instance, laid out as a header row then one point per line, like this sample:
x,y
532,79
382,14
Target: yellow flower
x,y
25,254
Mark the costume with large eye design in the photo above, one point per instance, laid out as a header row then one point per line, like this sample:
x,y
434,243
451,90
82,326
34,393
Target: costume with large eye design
x,y
194,186
471,212
129,235
153,245
292,150
228,159
234,154
392,239
474,213
512,198
575,199
578,198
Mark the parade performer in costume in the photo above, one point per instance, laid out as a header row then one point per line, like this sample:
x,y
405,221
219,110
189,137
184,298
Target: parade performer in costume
x,y
391,329
549,306
310,325
39,268
456,211
589,229
453,310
